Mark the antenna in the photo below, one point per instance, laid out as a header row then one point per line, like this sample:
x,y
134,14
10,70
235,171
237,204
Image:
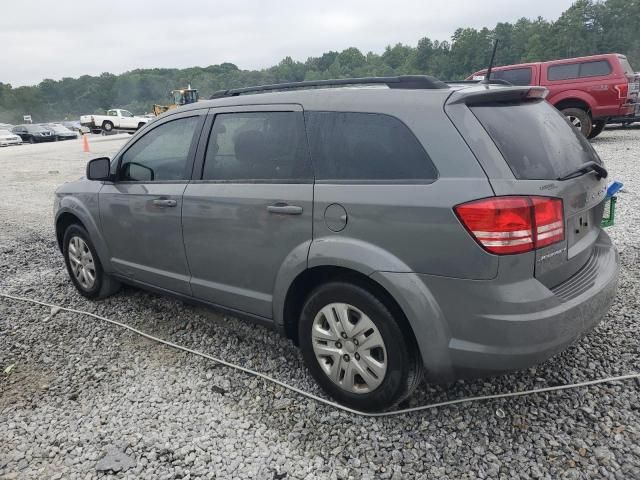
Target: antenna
x,y
487,78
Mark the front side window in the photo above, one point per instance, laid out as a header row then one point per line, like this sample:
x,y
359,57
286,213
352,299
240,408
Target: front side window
x,y
161,154
365,146
267,146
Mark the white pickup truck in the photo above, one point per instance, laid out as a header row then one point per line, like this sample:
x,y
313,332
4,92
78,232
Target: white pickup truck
x,y
115,119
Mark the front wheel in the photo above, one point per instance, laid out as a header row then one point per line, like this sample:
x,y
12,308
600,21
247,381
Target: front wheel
x,y
356,349
83,265
580,119
597,128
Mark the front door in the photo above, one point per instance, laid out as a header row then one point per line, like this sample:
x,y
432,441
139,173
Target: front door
x,y
140,211
251,206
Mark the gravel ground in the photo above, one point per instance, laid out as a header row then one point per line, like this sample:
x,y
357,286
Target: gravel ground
x,y
84,399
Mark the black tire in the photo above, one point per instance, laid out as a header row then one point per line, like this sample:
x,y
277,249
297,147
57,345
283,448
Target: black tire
x,y
403,362
598,127
140,125
580,119
104,285
32,140
107,126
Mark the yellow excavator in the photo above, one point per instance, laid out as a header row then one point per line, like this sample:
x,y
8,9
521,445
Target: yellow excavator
x,y
183,96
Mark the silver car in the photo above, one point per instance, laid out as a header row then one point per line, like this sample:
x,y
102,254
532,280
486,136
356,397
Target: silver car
x,y
389,231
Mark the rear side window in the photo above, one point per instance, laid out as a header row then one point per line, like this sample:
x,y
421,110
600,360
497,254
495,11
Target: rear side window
x,y
365,146
535,139
579,70
595,69
515,76
267,146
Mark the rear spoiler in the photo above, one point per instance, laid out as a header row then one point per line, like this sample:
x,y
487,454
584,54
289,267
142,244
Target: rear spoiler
x,y
496,94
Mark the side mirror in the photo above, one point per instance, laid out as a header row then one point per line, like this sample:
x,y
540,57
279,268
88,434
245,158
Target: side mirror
x,y
98,169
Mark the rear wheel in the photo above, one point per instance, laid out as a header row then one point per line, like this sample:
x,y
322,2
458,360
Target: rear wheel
x,y
580,119
597,128
84,266
356,349
107,126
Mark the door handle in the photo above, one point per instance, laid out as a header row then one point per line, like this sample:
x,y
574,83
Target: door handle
x,y
284,209
164,202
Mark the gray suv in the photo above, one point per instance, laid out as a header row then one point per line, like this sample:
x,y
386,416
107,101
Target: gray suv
x,y
389,226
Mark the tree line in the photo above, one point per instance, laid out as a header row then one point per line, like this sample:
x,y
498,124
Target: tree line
x,y
588,27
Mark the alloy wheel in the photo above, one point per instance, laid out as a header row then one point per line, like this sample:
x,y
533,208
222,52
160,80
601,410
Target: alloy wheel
x,y
82,264
349,348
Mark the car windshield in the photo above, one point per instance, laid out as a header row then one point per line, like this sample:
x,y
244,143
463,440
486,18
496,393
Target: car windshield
x,y
35,128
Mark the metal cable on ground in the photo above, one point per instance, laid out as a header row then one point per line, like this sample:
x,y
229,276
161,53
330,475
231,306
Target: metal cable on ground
x,y
320,399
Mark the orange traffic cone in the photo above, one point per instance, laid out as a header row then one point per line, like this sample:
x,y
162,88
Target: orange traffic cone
x,y
85,144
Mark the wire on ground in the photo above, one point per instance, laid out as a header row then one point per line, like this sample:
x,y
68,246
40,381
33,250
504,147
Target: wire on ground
x,y
320,399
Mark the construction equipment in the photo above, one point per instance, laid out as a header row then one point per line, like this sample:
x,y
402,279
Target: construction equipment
x,y
183,96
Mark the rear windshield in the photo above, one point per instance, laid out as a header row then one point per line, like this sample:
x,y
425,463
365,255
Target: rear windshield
x,y
535,139
626,66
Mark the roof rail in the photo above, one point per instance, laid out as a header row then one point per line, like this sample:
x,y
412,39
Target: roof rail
x,y
493,81
403,82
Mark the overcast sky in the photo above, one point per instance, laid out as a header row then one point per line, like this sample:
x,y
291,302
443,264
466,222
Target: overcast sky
x,y
49,39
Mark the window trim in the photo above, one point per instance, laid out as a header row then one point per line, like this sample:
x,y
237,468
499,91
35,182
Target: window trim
x,y
198,167
343,181
201,113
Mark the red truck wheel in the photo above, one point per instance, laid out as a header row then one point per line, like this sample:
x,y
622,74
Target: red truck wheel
x,y
580,119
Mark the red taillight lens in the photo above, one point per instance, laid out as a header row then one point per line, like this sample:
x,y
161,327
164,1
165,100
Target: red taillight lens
x,y
623,90
548,220
514,224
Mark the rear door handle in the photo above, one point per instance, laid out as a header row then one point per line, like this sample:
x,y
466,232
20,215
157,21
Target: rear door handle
x,y
164,202
284,209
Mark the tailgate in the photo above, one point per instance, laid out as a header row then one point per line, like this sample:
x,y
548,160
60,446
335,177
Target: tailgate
x,y
539,146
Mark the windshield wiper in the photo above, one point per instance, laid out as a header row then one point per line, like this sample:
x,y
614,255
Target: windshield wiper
x,y
601,172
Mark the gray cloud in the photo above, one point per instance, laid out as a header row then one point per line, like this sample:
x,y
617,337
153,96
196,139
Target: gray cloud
x,y
43,39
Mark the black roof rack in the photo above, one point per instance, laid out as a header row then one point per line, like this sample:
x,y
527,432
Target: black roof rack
x,y
493,81
404,81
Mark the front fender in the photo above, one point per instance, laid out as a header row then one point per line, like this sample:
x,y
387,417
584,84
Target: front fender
x,y
85,207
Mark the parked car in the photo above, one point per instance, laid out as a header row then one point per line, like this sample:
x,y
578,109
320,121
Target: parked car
x,y
588,90
33,133
61,132
75,126
115,119
7,138
384,230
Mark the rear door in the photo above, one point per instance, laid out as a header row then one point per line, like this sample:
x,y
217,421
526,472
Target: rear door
x,y
249,207
539,147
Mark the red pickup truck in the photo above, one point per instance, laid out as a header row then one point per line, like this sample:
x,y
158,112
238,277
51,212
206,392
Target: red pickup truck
x,y
588,90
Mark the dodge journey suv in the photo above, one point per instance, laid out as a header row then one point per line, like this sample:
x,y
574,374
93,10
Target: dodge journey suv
x,y
389,226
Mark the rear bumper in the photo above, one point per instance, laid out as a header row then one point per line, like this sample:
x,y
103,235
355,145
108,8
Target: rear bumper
x,y
491,327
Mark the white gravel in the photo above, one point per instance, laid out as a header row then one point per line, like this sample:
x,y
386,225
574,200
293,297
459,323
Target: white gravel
x,y
84,399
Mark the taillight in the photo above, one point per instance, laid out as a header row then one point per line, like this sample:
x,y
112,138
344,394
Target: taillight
x,y
623,90
513,224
